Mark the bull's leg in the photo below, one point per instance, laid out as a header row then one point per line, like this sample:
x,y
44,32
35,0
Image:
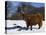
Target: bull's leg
x,y
28,25
31,26
40,24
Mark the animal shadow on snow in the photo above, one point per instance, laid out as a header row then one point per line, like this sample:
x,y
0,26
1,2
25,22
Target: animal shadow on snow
x,y
20,28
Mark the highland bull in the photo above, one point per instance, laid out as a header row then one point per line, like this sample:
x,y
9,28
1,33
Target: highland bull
x,y
33,19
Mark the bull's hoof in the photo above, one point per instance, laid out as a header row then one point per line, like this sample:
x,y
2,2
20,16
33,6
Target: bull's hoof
x,y
38,28
31,29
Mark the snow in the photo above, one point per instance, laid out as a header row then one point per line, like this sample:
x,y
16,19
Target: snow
x,y
22,23
18,22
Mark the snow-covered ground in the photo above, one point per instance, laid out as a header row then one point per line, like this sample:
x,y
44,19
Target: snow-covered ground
x,y
22,23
